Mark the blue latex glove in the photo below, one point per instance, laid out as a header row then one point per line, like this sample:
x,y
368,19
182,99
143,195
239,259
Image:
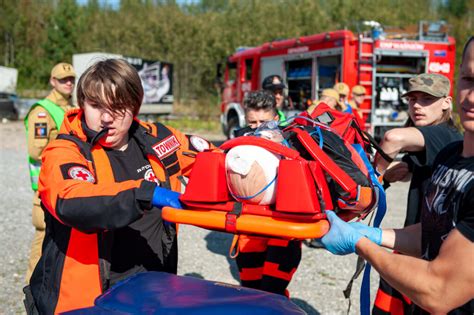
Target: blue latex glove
x,y
341,238
372,233
163,197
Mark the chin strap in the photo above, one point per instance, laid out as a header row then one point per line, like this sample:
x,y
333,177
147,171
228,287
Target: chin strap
x,y
99,135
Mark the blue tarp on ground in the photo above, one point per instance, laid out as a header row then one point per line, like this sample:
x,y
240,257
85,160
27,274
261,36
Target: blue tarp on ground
x,y
166,294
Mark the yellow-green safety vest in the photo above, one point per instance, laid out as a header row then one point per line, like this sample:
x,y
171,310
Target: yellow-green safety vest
x,y
58,115
282,118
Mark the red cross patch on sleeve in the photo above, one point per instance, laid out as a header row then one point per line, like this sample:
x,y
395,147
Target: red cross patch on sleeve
x,y
150,176
77,171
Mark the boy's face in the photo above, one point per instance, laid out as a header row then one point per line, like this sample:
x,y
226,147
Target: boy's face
x,y
466,90
118,124
255,118
279,98
358,98
64,86
426,109
329,100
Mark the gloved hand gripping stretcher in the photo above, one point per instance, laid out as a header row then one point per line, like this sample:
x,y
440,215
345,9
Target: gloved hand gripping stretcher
x,y
316,170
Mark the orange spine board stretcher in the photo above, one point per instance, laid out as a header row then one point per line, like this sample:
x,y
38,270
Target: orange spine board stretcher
x,y
248,223
302,194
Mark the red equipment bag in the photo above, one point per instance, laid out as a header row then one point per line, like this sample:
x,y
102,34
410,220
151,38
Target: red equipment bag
x,y
319,171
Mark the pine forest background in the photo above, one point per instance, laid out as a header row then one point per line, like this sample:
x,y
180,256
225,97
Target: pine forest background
x,y
193,36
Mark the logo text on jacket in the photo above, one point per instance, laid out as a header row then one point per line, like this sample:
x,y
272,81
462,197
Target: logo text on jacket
x,y
167,146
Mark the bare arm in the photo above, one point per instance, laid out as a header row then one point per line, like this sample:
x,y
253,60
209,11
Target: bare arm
x,y
406,240
398,140
437,286
397,171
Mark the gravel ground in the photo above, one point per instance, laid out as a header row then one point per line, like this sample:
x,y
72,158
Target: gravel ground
x,y
316,287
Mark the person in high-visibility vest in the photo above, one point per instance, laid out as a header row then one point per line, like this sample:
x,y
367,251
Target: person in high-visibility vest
x,y
42,125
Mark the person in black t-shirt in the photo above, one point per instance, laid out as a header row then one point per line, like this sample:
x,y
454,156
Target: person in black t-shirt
x,y
441,281
428,130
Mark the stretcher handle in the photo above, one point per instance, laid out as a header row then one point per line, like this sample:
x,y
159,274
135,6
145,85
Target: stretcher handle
x,y
341,177
263,143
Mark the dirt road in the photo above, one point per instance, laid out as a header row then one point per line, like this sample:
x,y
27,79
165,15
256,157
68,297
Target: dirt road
x,y
316,287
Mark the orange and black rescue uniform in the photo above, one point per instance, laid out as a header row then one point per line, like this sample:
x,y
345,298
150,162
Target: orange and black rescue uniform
x,y
100,224
267,264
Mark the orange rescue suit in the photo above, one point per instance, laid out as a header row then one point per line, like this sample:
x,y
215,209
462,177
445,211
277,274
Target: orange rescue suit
x,y
81,212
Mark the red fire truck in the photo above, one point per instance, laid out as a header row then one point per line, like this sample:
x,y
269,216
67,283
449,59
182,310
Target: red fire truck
x,y
380,61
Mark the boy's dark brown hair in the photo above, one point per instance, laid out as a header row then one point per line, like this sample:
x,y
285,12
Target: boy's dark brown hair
x,y
260,100
470,39
111,84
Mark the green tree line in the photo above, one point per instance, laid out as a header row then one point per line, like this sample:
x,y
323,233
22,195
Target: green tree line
x,y
193,36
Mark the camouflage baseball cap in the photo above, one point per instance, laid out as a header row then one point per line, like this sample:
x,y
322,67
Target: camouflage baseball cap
x,y
430,83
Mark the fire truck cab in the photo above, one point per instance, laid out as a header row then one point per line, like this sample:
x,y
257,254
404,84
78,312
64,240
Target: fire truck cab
x,y
382,62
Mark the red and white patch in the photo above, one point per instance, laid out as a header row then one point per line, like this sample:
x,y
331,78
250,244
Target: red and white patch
x,y
150,176
167,146
41,115
81,173
199,143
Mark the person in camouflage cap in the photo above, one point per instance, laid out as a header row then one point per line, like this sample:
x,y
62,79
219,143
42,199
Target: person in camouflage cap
x,y
431,83
428,99
429,128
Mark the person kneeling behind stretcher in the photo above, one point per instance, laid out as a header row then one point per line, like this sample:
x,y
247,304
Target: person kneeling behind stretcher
x,y
102,186
265,263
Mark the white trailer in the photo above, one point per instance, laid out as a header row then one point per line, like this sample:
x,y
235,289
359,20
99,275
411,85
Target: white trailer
x,y
156,79
8,80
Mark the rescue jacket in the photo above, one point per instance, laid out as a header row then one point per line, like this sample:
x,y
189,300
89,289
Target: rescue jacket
x,y
57,113
83,205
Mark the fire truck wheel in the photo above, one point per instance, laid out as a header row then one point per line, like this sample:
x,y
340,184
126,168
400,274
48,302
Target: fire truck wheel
x,y
233,125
